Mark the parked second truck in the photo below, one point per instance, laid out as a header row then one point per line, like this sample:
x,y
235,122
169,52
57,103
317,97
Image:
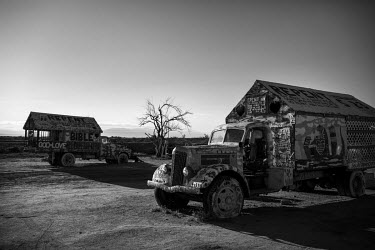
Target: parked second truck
x,y
66,138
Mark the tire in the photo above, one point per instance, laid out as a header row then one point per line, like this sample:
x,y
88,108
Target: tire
x,y
169,200
357,184
68,160
122,158
223,199
351,184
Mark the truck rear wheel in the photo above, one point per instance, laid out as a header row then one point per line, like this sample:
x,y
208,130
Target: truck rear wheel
x,y
169,200
357,184
224,198
122,158
351,184
68,160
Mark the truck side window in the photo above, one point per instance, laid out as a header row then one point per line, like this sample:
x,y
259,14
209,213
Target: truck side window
x,y
233,135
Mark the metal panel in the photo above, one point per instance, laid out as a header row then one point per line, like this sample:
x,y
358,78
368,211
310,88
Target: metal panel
x,y
361,143
178,164
215,159
320,142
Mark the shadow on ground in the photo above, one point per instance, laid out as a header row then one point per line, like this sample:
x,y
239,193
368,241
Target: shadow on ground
x,y
132,174
346,224
341,225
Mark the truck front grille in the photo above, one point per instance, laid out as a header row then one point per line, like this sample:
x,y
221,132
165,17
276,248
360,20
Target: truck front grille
x,y
178,164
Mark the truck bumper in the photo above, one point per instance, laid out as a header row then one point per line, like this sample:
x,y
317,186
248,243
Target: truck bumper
x,y
174,189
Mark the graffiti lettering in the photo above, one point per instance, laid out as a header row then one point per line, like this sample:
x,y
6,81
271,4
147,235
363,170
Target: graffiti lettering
x,y
56,145
256,104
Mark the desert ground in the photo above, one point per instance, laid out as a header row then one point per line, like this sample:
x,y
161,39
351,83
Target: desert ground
x,y
98,206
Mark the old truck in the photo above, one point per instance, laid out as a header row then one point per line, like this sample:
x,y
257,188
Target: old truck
x,y
277,137
66,138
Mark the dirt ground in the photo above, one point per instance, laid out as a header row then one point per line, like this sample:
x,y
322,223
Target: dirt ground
x,y
94,205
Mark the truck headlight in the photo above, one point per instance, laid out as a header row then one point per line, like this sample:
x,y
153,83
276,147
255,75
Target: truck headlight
x,y
186,171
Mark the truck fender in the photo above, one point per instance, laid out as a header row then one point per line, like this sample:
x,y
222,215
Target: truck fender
x,y
162,174
116,153
122,152
205,176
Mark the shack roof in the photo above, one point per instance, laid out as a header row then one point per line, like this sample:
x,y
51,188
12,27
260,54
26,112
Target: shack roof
x,y
45,121
317,101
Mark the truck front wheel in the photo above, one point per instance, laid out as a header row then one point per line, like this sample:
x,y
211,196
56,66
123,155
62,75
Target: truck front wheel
x,y
68,160
224,198
169,200
122,158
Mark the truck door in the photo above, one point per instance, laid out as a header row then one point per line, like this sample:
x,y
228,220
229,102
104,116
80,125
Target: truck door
x,y
255,147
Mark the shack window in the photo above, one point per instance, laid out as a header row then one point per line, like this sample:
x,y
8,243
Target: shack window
x,y
44,135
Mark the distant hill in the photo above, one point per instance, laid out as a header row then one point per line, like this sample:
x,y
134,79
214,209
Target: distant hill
x,y
8,132
140,132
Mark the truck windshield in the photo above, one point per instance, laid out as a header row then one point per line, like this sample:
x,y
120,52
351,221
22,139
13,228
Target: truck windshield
x,y
229,135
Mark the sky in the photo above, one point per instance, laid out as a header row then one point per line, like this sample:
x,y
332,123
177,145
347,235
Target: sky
x,y
103,59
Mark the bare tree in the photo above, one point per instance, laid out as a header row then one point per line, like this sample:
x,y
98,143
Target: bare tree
x,y
165,118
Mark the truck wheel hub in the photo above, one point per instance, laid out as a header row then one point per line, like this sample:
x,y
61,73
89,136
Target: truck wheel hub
x,y
226,199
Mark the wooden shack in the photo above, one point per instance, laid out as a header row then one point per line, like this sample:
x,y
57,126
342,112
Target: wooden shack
x,y
44,130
